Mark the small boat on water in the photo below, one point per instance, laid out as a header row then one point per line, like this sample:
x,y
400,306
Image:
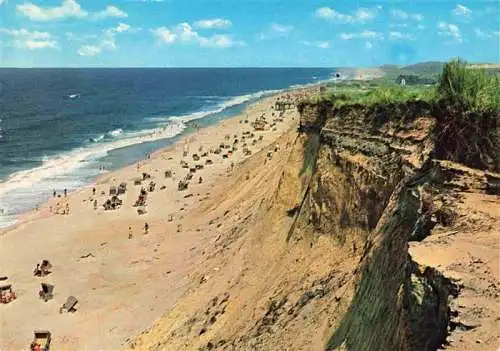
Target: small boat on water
x,y
73,96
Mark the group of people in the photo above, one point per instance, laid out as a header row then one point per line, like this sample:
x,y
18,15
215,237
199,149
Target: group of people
x,y
54,193
138,166
59,208
146,230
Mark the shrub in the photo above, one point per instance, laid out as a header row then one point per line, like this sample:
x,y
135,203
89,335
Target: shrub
x,y
473,88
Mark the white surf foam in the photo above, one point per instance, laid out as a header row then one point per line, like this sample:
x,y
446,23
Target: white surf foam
x,y
116,132
98,139
228,103
66,163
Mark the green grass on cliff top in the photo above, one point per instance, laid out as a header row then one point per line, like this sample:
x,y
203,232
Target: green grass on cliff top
x,y
474,88
383,94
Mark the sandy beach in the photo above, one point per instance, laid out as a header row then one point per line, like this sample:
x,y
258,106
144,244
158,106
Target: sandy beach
x,y
124,284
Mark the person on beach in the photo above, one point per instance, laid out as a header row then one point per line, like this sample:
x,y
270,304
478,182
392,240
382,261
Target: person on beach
x,y
54,193
93,191
130,232
67,208
95,205
65,192
146,227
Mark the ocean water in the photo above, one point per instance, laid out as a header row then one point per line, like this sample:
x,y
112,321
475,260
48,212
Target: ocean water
x,y
58,126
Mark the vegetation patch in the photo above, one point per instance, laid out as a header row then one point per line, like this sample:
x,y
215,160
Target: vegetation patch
x,y
465,102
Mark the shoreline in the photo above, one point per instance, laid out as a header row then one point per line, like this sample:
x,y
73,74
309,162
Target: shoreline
x,y
30,213
115,277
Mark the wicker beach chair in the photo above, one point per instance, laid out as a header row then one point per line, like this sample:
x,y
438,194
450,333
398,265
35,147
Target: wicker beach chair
x,y
7,294
47,292
41,340
69,305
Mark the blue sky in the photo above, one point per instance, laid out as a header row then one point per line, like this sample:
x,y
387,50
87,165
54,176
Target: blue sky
x,y
221,33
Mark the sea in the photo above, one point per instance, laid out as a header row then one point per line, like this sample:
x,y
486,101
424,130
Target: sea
x,y
62,128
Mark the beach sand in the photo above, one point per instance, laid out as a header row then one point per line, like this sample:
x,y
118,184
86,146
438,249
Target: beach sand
x,y
123,284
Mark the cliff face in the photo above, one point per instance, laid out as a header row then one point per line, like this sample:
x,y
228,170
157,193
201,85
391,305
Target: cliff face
x,y
379,181
320,258
365,193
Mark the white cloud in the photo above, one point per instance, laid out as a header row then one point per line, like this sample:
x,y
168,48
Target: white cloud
x,y
317,44
400,14
213,23
368,45
280,28
67,9
361,14
186,32
364,14
485,35
326,13
89,50
461,10
122,27
398,25
450,30
164,34
400,36
111,11
71,36
31,40
366,34
26,33
220,41
38,44
274,31
421,27
107,42
183,32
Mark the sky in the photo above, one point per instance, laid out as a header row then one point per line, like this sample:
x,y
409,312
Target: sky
x,y
245,33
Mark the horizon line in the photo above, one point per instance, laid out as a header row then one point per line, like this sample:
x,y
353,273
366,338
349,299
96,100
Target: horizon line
x,y
245,67
180,67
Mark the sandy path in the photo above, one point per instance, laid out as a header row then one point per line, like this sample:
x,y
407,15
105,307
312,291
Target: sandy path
x,y
122,285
